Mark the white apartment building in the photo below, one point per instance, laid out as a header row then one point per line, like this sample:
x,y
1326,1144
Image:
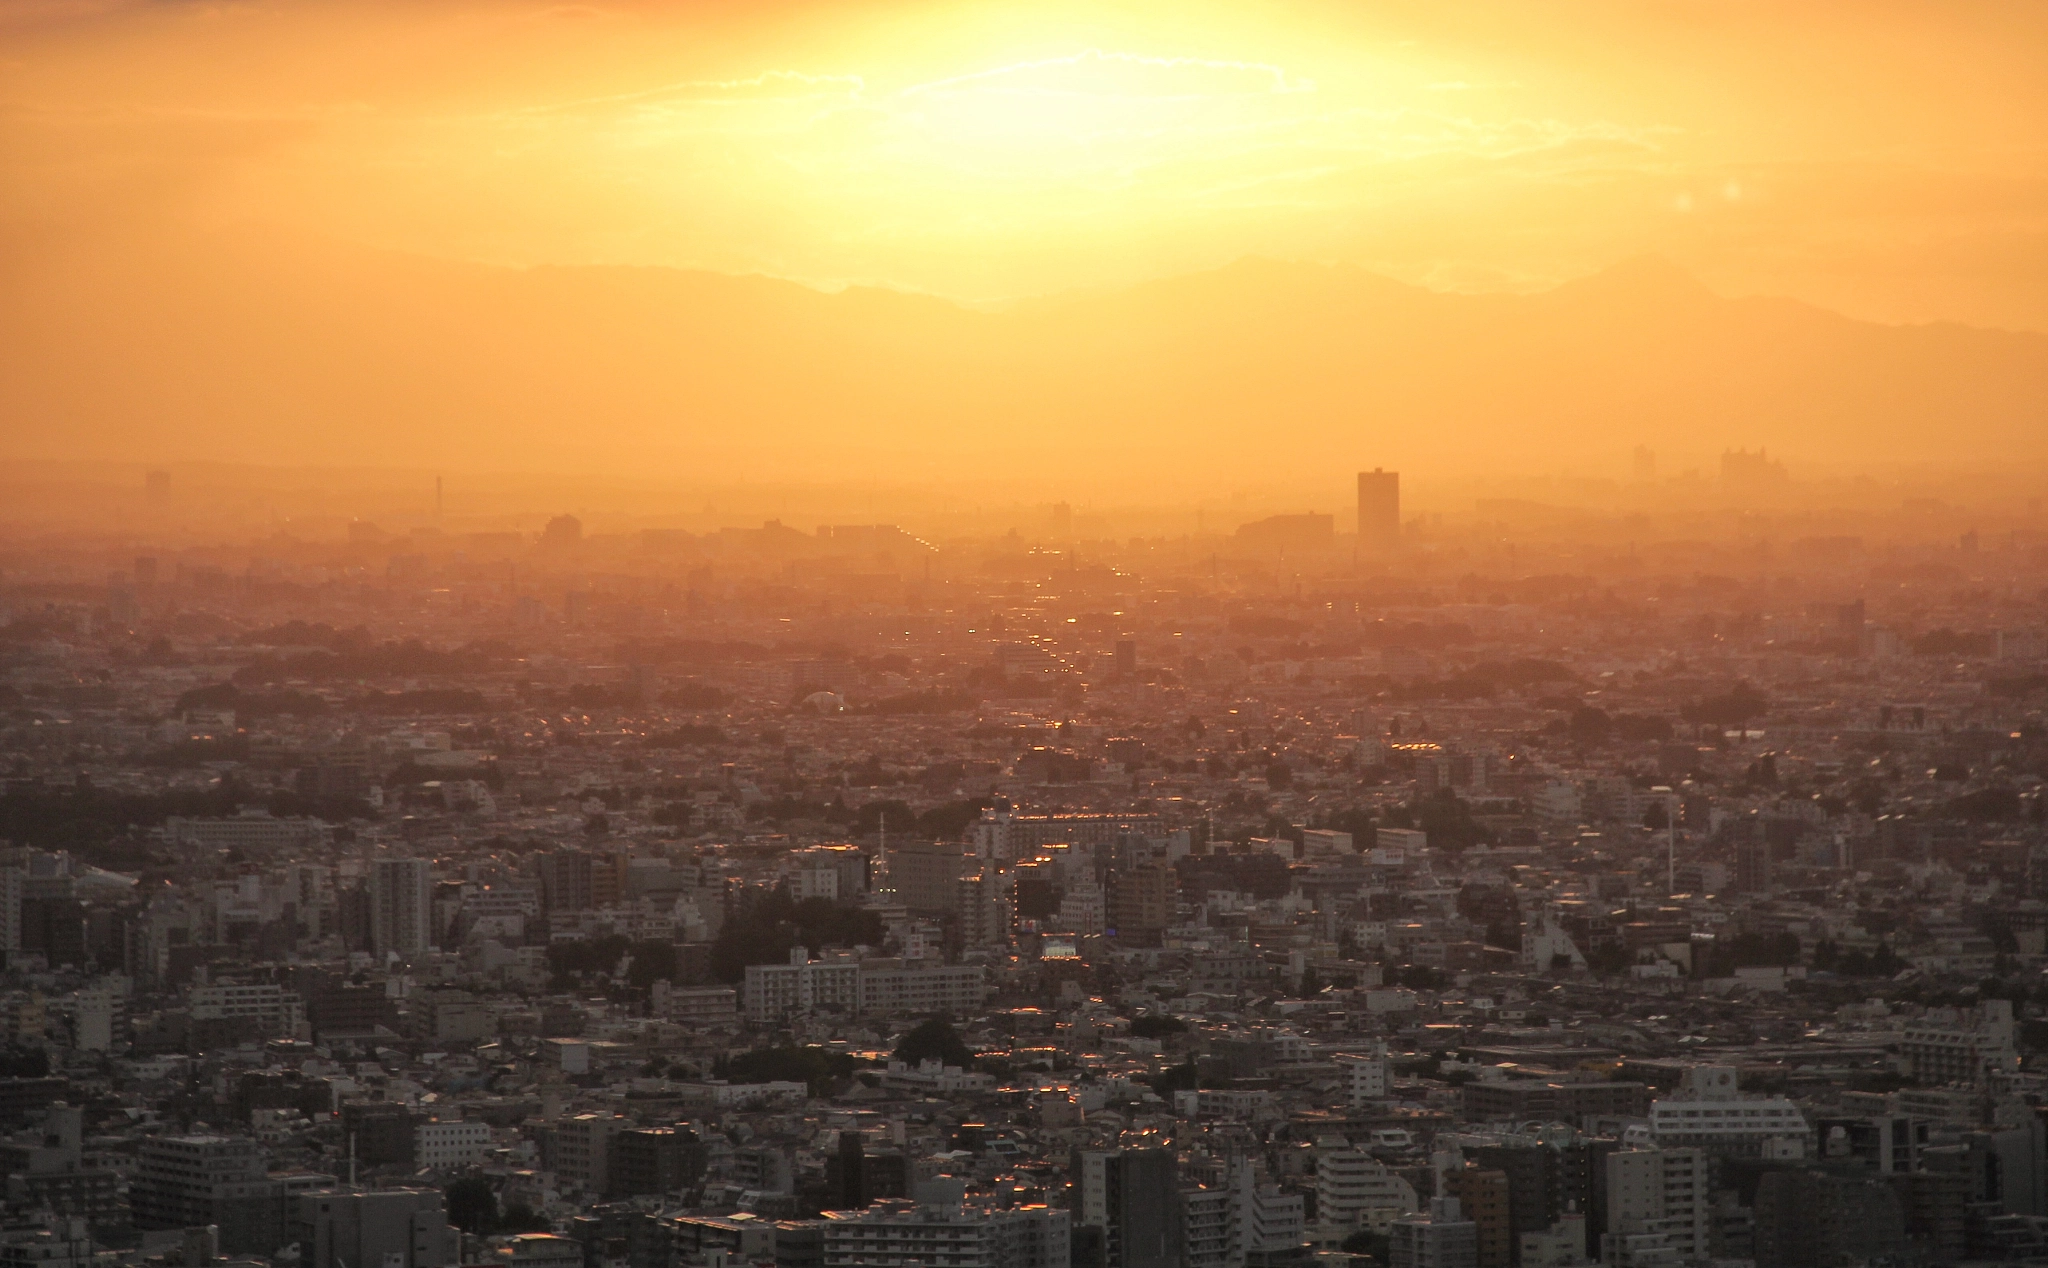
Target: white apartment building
x,y
1954,1045
773,992
275,1010
1365,1078
249,830
694,1003
445,1146
905,1234
1355,1190
1707,1111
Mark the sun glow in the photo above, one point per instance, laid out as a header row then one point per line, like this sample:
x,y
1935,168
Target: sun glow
x,y
987,150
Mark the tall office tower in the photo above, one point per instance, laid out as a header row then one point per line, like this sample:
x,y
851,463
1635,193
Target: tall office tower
x,y
1379,509
1130,1195
401,906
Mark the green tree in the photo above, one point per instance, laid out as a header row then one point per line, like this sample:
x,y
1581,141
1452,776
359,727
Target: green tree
x,y
1157,1026
472,1205
934,1037
1181,1078
815,1067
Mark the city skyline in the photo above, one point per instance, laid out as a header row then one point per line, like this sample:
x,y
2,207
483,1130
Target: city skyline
x,y
983,634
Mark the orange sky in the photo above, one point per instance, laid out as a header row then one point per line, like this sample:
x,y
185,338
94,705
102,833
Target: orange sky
x,y
1886,159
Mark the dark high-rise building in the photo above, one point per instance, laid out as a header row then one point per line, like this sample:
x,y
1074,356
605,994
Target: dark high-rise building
x,y
1126,658
1482,1195
379,1132
1543,1181
568,880
1804,1217
1933,1205
1130,1194
1752,864
855,1179
335,1008
1379,509
1142,902
653,1161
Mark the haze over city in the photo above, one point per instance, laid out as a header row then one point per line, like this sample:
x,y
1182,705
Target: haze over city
x,y
886,634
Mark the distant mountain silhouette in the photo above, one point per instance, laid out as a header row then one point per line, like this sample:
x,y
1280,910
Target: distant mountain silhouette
x,y
275,349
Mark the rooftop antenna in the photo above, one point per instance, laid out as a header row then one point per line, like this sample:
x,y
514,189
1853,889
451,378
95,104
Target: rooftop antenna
x,y
437,497
351,1161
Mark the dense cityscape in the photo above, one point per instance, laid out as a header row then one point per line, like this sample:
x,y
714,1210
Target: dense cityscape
x,y
1507,888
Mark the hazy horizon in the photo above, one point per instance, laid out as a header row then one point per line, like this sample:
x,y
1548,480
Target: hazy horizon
x,y
978,251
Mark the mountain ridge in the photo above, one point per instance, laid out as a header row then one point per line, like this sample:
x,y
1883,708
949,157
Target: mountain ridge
x,y
276,350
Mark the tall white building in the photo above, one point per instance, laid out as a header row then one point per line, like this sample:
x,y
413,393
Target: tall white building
x,y
1355,1190
1265,1223
1365,1078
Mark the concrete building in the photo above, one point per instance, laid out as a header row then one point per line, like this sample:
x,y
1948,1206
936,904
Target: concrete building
x,y
926,875
1708,1111
268,1008
1661,1191
579,1148
1379,510
448,1146
389,1228
1442,1238
893,988
66,1243
1953,1045
1365,1078
656,1161
401,906
186,1181
1483,1198
906,1234
1355,1190
1129,1195
1142,901
774,992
